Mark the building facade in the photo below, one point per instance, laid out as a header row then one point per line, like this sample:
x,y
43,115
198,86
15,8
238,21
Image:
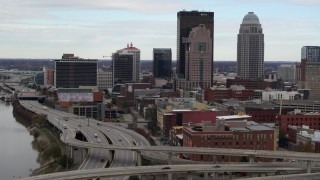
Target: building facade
x,y
185,22
104,80
231,134
299,119
122,68
126,65
72,72
250,48
310,70
162,62
198,60
287,72
236,92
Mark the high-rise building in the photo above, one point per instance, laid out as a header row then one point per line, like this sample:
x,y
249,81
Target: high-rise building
x,y
186,21
310,70
104,80
310,53
122,68
48,76
130,49
72,72
250,50
162,62
198,52
126,65
287,72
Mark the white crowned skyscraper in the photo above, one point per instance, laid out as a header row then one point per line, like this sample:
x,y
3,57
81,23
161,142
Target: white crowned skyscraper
x,y
250,52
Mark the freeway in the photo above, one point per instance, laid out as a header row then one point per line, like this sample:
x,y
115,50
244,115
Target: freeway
x,y
212,151
165,169
63,121
122,158
128,143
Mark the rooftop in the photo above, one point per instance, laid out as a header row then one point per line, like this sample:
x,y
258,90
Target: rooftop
x,y
250,18
233,117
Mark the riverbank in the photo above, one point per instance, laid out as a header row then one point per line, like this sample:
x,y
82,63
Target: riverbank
x,y
51,154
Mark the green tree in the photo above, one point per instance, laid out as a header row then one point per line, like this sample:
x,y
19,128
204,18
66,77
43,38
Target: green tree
x,y
64,161
39,120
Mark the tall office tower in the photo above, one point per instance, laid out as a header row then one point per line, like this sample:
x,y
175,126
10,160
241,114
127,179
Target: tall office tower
x,y
310,70
186,21
72,72
122,67
162,62
250,52
198,62
130,49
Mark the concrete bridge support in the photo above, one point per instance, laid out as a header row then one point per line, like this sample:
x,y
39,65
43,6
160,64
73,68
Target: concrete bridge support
x,y
139,158
308,166
251,159
71,151
205,175
189,176
169,163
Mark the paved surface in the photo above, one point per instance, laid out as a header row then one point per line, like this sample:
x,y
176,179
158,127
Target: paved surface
x,y
148,170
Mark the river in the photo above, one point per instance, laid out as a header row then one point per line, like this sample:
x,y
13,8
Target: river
x,y
17,157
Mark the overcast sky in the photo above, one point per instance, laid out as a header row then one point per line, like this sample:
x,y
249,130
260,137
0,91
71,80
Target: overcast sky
x,y
97,28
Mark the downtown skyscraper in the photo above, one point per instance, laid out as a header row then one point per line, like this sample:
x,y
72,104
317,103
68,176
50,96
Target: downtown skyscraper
x,y
310,71
162,62
194,49
126,65
250,48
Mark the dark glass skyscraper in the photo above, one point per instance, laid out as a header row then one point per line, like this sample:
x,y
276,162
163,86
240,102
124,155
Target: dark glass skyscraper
x,y
186,21
122,68
72,72
162,60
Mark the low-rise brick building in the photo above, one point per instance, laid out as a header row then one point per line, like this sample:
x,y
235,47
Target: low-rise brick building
x,y
297,118
228,134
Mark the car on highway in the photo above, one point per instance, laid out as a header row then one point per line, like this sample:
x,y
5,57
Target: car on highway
x,y
65,126
45,107
166,168
120,140
216,166
95,135
98,140
99,124
101,160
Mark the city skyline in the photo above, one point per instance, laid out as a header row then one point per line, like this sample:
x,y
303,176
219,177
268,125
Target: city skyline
x,y
37,29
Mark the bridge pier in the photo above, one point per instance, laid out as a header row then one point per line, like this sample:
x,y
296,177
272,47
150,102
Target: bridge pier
x,y
71,151
169,158
139,158
205,175
143,177
215,175
251,159
308,166
169,163
189,176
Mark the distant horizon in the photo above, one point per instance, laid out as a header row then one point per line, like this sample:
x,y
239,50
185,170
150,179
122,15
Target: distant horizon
x,y
142,60
36,29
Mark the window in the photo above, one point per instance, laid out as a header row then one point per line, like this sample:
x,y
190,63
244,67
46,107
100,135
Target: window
x,y
201,47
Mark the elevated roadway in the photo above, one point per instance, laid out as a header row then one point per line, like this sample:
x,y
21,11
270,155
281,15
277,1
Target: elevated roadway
x,y
154,170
